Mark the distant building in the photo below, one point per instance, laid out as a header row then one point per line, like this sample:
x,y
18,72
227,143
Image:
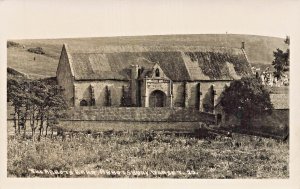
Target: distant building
x,y
267,77
186,76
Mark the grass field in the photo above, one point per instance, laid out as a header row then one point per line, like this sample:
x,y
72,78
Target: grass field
x,y
258,48
148,154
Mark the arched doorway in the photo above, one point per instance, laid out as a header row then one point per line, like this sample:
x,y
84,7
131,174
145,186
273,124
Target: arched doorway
x,y
157,99
83,103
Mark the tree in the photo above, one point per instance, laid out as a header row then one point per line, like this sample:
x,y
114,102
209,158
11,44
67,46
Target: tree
x,y
36,101
281,60
19,96
37,89
13,96
246,98
55,106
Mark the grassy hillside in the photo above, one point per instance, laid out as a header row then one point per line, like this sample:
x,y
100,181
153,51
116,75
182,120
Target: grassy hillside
x,y
23,61
258,48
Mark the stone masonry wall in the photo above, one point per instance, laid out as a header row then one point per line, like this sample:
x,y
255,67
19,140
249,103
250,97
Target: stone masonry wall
x,y
178,99
82,91
191,89
205,90
65,78
140,114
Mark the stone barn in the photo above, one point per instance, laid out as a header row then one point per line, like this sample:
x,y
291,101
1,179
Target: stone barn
x,y
146,76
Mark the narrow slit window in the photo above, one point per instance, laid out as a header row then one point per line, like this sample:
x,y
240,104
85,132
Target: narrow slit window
x,y
157,74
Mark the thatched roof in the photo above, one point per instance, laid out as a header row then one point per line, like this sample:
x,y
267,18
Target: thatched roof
x,y
179,63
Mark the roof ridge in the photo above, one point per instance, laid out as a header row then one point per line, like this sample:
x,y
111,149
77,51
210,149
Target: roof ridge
x,y
151,48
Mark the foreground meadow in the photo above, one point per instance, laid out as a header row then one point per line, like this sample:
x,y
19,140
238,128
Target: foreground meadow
x,y
148,154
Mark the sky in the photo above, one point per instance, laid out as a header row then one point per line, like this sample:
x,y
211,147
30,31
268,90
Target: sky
x,y
92,18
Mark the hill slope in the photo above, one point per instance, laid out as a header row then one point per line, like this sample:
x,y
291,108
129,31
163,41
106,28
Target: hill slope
x,y
258,48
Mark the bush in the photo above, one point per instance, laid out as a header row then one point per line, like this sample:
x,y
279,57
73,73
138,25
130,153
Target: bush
x,y
14,72
245,99
37,50
12,44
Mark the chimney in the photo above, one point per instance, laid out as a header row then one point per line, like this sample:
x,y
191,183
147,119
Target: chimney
x,y
243,45
134,71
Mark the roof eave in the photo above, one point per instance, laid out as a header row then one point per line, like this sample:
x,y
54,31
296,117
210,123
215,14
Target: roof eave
x,y
87,79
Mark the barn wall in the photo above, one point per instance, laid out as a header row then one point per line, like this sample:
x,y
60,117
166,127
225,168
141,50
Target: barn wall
x,y
65,78
192,93
178,98
82,91
205,99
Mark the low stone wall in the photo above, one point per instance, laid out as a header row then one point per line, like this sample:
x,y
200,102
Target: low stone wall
x,y
139,114
99,126
276,123
278,90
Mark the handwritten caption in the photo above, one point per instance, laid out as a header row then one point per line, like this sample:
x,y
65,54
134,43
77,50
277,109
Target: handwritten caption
x,y
103,172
